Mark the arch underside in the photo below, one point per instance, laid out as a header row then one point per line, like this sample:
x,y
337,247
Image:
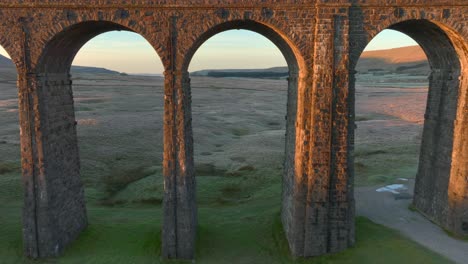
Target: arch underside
x,y
62,49
58,206
441,188
176,246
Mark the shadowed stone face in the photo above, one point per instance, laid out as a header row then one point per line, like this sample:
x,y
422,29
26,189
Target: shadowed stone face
x,y
321,41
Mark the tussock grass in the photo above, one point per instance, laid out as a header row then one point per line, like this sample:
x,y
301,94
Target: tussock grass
x,y
209,169
451,234
360,118
412,208
82,108
247,168
146,189
370,153
383,164
239,132
117,180
8,167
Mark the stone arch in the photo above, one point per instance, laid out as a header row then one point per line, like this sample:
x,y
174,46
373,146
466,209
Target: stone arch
x,y
58,211
61,49
441,188
444,31
292,221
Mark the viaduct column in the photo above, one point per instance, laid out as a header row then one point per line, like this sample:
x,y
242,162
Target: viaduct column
x,y
341,191
29,161
458,182
179,206
441,187
54,208
329,212
297,150
180,211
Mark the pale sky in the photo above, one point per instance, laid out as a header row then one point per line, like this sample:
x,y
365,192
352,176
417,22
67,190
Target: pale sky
x,y
233,49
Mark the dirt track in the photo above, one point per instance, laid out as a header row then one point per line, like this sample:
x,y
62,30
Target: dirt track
x,y
387,209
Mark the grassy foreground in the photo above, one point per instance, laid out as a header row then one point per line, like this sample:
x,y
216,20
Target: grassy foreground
x,y
247,232
239,148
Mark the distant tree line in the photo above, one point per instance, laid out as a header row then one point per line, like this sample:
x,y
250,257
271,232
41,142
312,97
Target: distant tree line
x,y
252,74
409,67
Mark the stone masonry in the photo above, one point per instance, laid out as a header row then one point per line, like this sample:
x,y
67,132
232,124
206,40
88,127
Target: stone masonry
x,y
321,41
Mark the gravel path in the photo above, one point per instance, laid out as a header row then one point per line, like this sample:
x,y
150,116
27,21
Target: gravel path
x,y
391,210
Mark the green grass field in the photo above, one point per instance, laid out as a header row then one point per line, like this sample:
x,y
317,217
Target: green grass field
x,y
234,227
239,150
372,160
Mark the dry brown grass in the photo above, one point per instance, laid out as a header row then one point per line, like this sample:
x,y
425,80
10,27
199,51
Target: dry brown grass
x,y
88,122
397,55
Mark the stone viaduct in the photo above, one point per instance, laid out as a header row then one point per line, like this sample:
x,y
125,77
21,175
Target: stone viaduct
x,y
321,41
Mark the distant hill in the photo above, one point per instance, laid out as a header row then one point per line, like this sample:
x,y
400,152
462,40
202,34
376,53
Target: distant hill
x,y
6,64
270,73
410,60
95,70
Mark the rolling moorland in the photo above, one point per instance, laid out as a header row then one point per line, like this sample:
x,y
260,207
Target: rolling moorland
x,y
408,60
239,142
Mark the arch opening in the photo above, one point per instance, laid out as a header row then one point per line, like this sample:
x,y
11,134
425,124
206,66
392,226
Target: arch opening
x,y
291,55
118,109
243,119
102,125
62,49
439,190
